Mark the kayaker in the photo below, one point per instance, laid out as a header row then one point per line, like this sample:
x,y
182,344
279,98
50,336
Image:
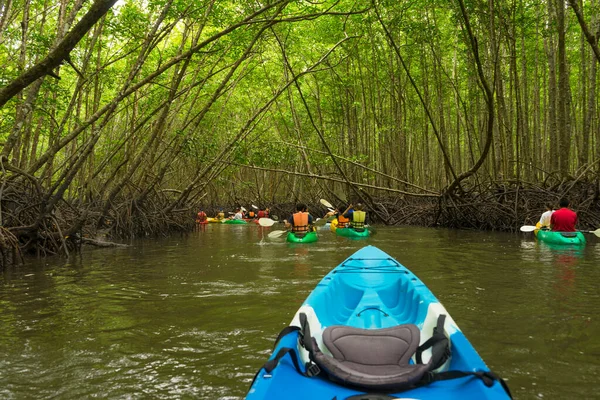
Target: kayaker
x,y
238,214
301,220
263,213
220,215
563,219
344,218
349,216
544,222
251,214
358,217
201,217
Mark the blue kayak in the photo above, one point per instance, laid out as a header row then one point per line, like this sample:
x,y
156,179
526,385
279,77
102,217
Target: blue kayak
x,y
371,326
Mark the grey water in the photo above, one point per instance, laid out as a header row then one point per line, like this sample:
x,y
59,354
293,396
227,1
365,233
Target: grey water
x,y
195,316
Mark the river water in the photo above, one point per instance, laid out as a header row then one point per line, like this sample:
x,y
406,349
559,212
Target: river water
x,y
195,316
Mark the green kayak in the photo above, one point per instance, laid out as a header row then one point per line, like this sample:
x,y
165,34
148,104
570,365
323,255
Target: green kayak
x,y
235,222
352,233
308,237
573,238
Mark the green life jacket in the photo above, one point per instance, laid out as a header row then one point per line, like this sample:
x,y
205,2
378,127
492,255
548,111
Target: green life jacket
x,y
358,219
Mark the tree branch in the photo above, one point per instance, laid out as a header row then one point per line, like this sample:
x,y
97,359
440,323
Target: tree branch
x,y
59,54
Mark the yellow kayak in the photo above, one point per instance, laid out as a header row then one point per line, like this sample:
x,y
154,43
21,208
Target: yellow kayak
x,y
213,219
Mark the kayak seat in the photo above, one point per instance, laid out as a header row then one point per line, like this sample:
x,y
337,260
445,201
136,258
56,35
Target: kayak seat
x,y
372,358
569,234
299,235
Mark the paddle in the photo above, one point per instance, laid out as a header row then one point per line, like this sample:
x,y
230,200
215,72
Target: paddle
x,y
528,228
266,222
596,232
276,234
326,203
320,222
253,206
243,209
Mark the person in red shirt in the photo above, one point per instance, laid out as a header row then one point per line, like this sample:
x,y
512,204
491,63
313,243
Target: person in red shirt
x,y
201,217
564,219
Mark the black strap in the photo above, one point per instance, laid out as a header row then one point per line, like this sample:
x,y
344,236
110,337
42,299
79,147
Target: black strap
x,y
488,378
310,344
285,331
305,336
440,347
272,363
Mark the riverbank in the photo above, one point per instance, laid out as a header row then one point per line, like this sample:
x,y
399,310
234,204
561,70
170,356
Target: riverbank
x,y
29,229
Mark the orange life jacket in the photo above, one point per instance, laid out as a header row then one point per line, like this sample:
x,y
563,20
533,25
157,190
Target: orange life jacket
x,y
300,222
343,221
251,214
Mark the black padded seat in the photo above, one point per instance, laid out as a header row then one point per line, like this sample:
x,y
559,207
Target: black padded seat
x,y
372,358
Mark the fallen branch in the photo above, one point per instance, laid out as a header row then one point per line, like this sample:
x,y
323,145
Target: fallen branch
x,y
100,243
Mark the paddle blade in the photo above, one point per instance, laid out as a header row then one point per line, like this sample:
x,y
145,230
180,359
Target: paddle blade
x,y
320,222
243,209
253,206
276,234
596,232
528,228
266,222
325,203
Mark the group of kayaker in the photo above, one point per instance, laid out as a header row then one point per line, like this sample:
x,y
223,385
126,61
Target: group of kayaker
x,y
240,213
353,216
562,220
301,221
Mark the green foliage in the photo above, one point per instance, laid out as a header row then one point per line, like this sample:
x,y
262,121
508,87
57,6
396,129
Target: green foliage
x,y
359,97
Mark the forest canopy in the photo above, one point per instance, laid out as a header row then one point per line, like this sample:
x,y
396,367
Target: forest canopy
x,y
130,115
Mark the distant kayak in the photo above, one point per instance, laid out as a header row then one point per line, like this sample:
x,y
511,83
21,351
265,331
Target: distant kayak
x,y
308,237
235,222
353,233
572,238
371,326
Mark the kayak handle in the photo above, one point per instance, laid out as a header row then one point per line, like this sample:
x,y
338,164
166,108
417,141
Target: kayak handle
x,y
373,308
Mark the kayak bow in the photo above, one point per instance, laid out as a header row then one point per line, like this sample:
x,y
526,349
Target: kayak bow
x,y
371,314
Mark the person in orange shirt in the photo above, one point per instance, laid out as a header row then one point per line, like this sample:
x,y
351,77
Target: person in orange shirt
x,y
301,220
